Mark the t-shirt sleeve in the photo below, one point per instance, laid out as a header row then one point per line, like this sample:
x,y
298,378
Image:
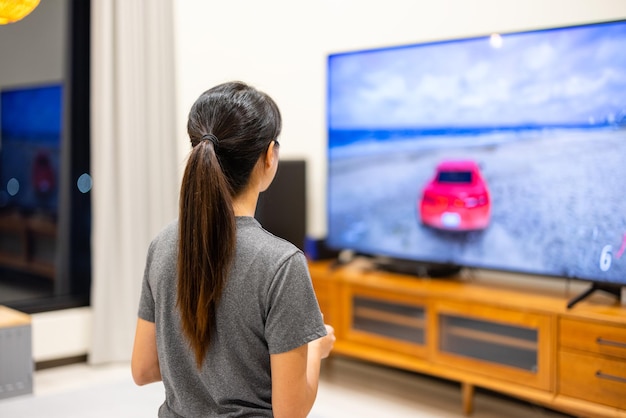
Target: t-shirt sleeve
x,y
146,300
294,316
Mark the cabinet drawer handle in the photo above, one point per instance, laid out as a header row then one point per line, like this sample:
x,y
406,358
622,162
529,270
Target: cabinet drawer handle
x,y
610,377
602,341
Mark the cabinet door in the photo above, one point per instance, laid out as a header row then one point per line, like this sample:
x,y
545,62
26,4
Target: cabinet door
x,y
388,320
510,345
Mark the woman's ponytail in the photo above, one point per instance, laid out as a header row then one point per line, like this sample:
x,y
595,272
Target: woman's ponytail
x,y
206,244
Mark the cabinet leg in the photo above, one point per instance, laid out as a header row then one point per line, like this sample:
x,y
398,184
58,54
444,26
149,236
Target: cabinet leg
x,y
467,391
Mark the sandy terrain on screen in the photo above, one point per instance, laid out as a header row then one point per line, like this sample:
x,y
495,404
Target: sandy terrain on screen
x,y
556,203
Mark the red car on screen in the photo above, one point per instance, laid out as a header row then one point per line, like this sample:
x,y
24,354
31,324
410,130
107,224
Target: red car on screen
x,y
456,198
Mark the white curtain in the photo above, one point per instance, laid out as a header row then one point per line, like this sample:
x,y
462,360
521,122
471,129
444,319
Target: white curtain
x,y
134,160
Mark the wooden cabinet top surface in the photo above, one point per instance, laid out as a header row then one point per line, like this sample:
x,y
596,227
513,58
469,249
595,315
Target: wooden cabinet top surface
x,y
12,318
506,295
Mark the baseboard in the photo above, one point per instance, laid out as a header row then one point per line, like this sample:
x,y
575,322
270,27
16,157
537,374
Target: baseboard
x,y
42,365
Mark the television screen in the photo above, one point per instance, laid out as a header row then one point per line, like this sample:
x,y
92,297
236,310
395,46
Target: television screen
x,y
503,152
30,135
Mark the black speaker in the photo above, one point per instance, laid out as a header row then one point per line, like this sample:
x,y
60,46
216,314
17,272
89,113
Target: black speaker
x,y
281,209
316,249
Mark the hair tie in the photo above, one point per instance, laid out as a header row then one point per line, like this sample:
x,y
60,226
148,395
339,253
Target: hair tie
x,y
210,137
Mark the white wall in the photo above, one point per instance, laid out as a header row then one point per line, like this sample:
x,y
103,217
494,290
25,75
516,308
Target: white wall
x,y
61,334
281,46
33,49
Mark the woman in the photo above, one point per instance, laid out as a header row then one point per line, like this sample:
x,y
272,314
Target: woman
x,y
228,318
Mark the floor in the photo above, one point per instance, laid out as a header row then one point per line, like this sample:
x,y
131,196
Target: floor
x,y
348,388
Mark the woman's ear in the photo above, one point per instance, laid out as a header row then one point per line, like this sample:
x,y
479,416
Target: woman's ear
x,y
268,165
271,154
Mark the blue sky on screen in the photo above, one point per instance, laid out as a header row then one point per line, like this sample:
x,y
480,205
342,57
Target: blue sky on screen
x,y
552,77
32,113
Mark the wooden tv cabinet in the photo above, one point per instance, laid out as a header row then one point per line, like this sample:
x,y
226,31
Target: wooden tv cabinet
x,y
520,342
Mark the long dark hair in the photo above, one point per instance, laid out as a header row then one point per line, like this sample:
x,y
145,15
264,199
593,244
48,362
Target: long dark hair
x,y
230,127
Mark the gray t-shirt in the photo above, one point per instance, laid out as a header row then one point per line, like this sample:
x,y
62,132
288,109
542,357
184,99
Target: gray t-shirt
x,y
268,307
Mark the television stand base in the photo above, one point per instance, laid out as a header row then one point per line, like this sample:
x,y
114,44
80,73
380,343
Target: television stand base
x,y
614,289
415,268
396,265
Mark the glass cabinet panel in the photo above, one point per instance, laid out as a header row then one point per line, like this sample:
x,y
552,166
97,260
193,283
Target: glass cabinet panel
x,y
510,345
393,320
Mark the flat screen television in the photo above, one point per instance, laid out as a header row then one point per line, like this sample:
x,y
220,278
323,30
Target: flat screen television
x,y
502,152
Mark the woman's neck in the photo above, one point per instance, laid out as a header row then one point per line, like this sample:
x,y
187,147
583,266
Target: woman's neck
x,y
245,203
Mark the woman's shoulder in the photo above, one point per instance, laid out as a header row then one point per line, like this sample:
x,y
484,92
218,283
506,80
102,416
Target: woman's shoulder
x,y
259,240
167,236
